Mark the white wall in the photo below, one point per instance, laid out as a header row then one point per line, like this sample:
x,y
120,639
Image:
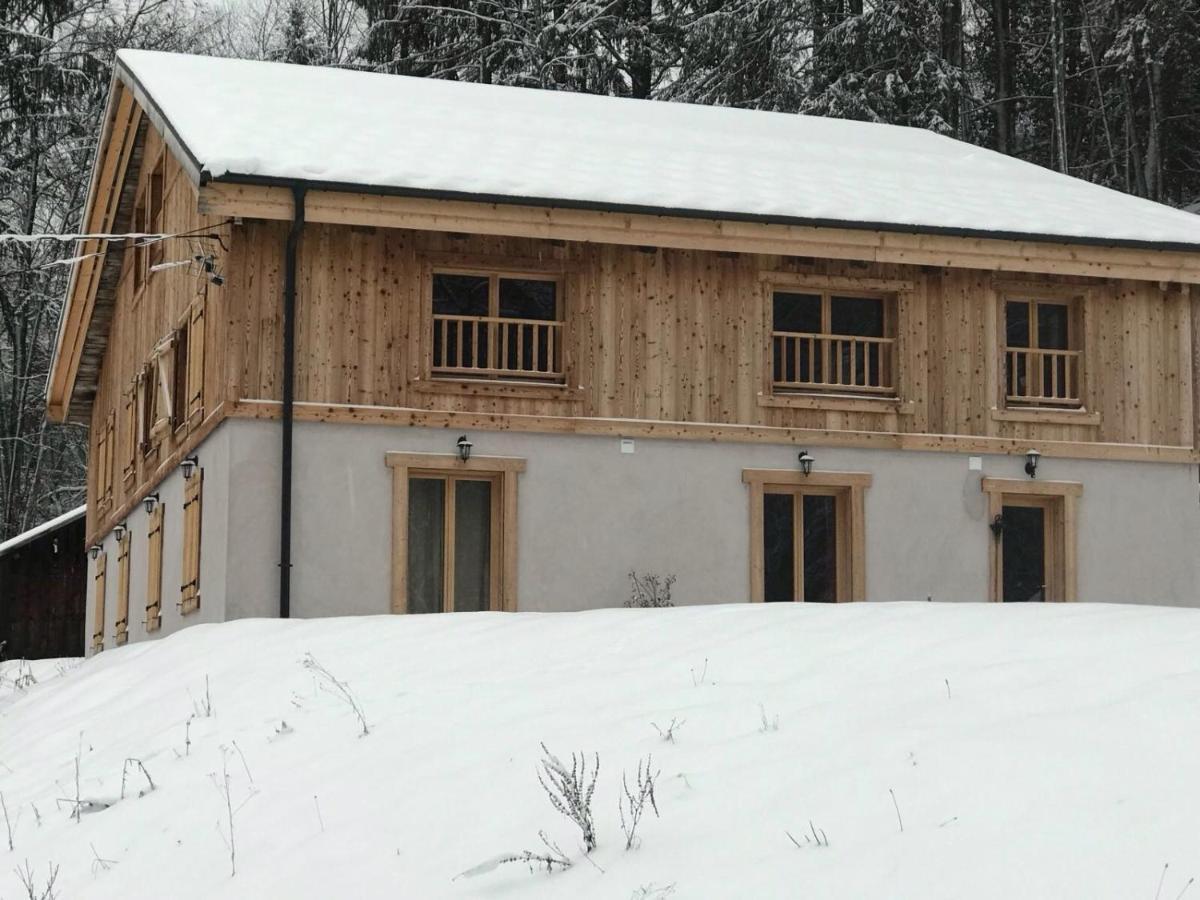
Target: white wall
x,y
588,514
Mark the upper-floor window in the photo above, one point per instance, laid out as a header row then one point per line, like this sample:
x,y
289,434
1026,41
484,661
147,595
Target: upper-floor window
x,y
1042,356
497,326
828,341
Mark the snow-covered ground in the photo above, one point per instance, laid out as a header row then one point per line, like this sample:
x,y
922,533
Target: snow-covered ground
x,y
1032,751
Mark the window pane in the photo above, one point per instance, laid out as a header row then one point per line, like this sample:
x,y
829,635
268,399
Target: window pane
x,y
820,549
460,295
426,526
779,548
528,298
460,344
472,545
1053,319
1024,561
527,348
797,312
1016,318
861,316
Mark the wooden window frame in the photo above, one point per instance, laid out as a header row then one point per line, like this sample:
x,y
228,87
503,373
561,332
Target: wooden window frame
x,y
99,597
154,568
155,187
850,490
121,634
193,402
180,371
897,295
503,471
1076,299
189,589
495,269
1060,499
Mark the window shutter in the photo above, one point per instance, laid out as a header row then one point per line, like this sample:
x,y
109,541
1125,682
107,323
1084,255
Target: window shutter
x,y
195,362
103,489
154,570
99,582
129,425
189,599
163,364
122,625
110,440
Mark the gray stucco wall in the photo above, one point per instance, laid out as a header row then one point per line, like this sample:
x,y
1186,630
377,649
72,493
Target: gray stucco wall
x,y
589,513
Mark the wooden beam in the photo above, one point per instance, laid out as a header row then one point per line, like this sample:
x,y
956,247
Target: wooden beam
x,y
760,434
116,145
635,229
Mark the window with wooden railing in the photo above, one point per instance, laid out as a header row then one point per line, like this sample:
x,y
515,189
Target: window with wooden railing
x,y
497,326
832,343
1042,363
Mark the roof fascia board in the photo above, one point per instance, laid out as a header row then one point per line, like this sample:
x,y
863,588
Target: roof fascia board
x,y
256,201
685,213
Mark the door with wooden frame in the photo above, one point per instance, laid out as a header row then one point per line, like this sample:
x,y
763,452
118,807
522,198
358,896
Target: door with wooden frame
x,y
1033,540
807,536
453,542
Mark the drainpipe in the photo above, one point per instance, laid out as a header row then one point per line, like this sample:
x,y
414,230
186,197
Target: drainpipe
x,y
289,399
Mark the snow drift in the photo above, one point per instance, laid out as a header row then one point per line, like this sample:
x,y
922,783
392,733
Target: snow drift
x,y
1039,751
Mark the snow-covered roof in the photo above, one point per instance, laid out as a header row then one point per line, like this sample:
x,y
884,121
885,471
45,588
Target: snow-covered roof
x,y
238,119
34,533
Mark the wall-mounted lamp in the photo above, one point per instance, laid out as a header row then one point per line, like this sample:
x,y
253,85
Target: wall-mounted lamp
x,y
94,550
997,526
119,532
189,465
806,462
149,502
1031,463
464,448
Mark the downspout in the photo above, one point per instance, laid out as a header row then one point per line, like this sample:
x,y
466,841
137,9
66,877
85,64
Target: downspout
x,y
289,401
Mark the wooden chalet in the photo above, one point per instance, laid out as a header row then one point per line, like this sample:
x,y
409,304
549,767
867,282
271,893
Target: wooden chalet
x,y
389,344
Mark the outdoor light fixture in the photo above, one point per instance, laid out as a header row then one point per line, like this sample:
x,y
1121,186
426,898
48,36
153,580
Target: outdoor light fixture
x,y
806,462
95,550
150,501
997,526
119,532
1031,463
464,448
189,465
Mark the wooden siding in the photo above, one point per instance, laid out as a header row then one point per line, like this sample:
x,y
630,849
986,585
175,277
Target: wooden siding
x,y
140,320
680,336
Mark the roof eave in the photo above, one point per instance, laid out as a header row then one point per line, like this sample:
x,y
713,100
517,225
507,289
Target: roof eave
x,y
712,215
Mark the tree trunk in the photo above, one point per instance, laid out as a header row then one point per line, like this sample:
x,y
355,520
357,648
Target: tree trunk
x,y
1002,36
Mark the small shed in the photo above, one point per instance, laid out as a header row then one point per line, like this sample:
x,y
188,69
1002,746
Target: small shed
x,y
43,589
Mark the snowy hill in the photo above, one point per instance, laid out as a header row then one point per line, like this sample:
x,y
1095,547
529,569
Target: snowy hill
x,y
1035,752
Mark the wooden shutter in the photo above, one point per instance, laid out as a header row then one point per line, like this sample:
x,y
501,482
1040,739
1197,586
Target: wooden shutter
x,y
154,539
195,362
122,625
189,600
110,446
129,428
164,383
103,485
99,582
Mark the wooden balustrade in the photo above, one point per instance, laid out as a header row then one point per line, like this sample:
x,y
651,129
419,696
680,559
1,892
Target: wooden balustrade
x,y
1042,377
497,347
832,362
